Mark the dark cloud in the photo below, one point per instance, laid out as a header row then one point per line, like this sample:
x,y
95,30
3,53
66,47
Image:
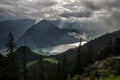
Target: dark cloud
x,y
91,5
49,3
97,14
76,14
25,8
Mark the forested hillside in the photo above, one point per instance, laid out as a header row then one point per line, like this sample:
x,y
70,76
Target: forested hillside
x,y
82,63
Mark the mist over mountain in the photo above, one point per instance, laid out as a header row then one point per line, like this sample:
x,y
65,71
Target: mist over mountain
x,y
45,34
17,27
97,43
59,39
100,15
77,25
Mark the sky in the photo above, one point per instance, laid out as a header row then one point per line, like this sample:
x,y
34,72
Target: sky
x,y
101,14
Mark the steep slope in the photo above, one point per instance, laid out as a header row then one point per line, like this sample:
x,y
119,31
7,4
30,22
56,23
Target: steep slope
x,y
99,42
45,34
17,27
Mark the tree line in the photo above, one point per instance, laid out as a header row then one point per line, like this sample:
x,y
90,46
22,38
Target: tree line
x,y
66,69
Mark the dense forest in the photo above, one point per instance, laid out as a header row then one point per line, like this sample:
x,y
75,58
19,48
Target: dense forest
x,y
87,63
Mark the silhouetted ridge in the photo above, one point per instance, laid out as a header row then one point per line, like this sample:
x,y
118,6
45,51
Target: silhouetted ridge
x,y
30,56
99,42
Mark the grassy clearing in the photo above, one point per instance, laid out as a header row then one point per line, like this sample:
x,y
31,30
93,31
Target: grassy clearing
x,y
51,60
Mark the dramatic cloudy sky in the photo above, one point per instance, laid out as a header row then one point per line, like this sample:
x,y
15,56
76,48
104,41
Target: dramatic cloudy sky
x,y
102,13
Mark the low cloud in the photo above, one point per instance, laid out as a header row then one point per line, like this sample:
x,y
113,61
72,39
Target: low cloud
x,y
97,14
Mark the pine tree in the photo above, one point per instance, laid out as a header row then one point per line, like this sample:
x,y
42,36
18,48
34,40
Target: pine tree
x,y
12,59
2,67
63,68
41,69
91,55
10,43
106,51
117,46
78,66
103,53
25,77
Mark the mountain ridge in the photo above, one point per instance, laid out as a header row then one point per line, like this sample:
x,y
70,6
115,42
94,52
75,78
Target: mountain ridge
x,y
16,27
45,34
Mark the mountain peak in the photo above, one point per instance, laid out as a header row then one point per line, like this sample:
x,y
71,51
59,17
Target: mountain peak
x,y
43,21
45,25
45,34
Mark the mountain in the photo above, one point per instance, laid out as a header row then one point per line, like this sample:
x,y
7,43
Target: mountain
x,y
81,26
17,27
60,23
46,34
99,42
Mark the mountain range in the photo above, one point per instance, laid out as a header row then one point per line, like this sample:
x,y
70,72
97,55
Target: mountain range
x,y
17,27
46,34
97,43
81,26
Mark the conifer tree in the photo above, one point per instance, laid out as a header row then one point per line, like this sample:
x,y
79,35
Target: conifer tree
x,y
25,77
41,69
117,46
11,43
78,66
63,69
91,55
58,71
2,67
12,59
107,50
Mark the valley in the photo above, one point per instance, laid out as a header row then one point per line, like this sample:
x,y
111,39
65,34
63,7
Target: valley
x,y
45,50
59,39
